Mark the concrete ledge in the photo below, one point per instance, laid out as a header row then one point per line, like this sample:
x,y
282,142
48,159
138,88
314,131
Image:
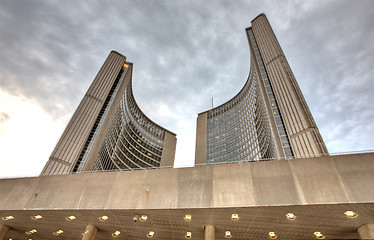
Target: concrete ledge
x,y
324,180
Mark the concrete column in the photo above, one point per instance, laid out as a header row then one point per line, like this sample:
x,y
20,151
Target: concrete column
x,y
90,233
3,231
209,232
366,231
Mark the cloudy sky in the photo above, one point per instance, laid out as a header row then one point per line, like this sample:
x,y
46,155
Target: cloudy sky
x,y
184,52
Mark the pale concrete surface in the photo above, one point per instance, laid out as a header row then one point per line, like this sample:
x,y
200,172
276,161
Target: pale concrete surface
x,y
201,141
168,154
3,231
90,233
319,181
209,233
317,190
275,187
229,180
323,180
366,231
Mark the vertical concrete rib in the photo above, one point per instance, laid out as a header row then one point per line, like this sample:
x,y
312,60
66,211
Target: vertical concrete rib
x,y
366,231
3,231
209,232
90,232
74,137
304,135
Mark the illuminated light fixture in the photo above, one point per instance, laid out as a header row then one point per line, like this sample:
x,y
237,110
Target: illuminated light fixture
x,y
351,214
228,234
103,218
272,235
58,232
150,234
6,218
188,235
36,217
235,217
290,216
31,231
71,218
116,233
143,218
319,235
188,217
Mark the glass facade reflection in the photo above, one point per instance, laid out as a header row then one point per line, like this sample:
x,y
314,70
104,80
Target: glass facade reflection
x,y
239,130
133,140
273,102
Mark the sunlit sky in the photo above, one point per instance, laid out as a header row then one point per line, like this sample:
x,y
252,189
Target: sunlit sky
x,y
184,53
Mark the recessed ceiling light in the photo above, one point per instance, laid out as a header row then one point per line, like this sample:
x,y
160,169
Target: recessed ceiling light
x,y
36,217
150,234
235,216
116,233
103,218
6,218
31,231
290,216
272,235
58,232
143,218
350,214
71,218
228,234
188,235
188,217
319,235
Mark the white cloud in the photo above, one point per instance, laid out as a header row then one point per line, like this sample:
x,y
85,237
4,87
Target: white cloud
x,y
27,136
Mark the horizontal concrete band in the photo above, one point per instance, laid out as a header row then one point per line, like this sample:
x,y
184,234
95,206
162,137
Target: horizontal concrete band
x,y
340,179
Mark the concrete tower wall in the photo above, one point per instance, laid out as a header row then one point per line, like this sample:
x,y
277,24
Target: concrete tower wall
x,y
280,120
73,139
303,133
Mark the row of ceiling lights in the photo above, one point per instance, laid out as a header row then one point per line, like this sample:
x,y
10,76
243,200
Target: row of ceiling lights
x,y
187,217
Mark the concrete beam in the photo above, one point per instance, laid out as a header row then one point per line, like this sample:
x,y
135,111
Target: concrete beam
x,y
3,231
210,232
366,231
90,232
345,179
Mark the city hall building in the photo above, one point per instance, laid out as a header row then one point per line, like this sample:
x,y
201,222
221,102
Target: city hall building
x,y
262,170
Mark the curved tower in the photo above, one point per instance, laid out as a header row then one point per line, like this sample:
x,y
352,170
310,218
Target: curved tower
x,y
108,131
267,119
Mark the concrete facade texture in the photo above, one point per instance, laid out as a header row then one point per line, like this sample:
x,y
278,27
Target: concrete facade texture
x,y
322,180
258,191
301,128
